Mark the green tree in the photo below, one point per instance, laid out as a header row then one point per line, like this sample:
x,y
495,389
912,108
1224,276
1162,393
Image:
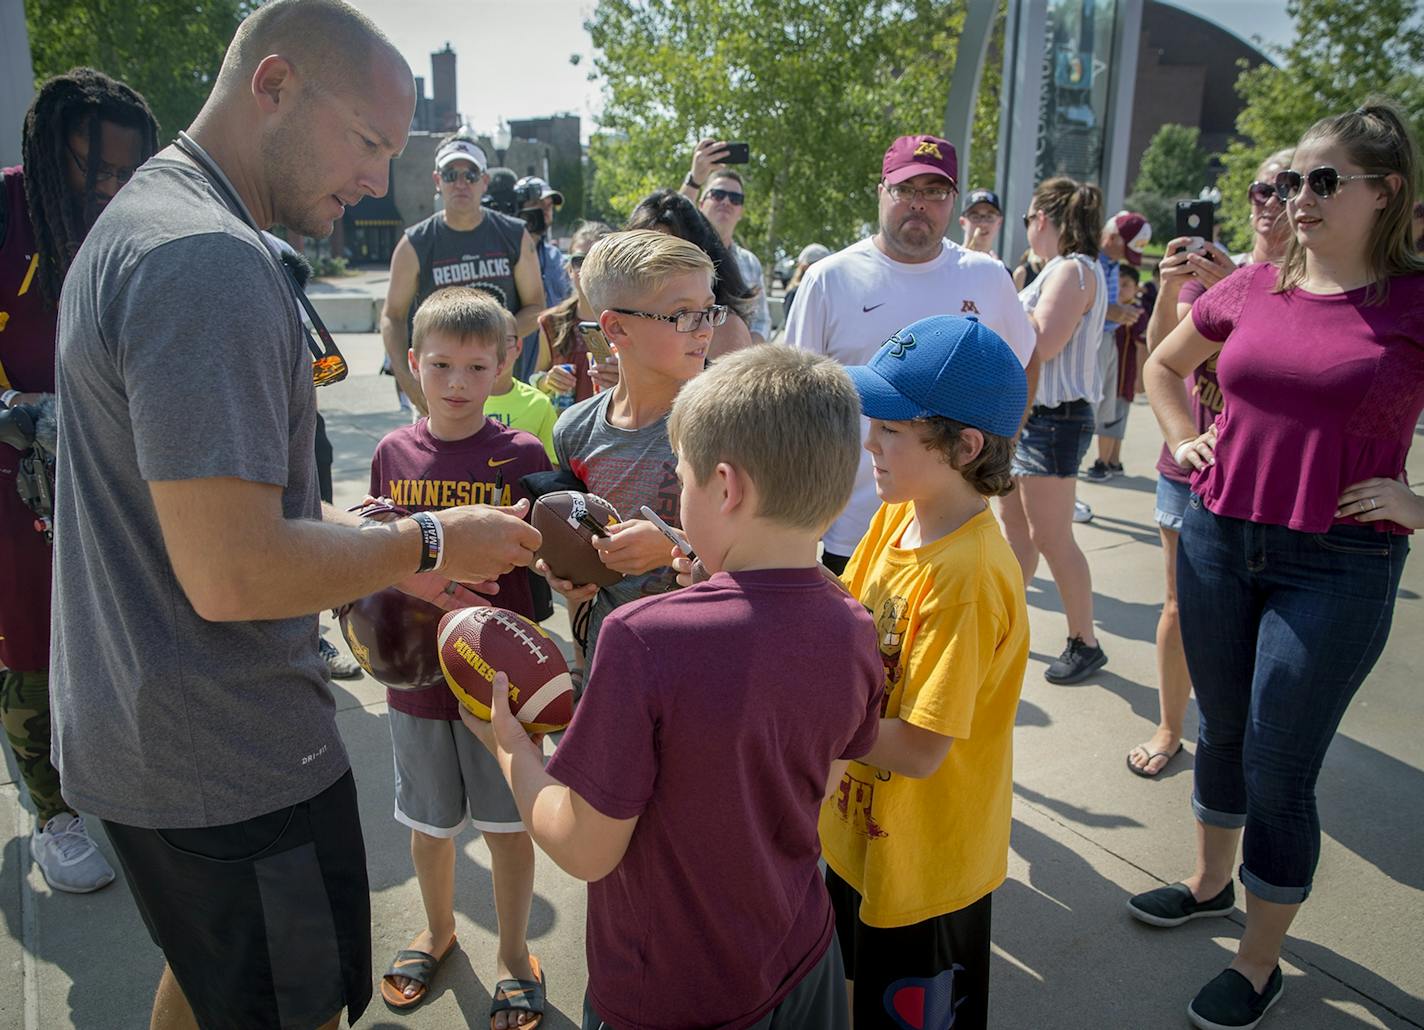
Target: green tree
x,y
1174,167
817,87
1342,52
168,50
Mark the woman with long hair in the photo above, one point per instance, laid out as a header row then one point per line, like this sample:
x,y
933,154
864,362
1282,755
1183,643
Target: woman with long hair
x,y
1186,274
670,212
1296,533
1066,302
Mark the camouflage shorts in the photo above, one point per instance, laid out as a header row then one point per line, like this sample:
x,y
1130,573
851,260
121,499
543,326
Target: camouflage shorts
x,y
24,708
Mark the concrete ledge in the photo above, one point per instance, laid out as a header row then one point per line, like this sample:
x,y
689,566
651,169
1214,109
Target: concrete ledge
x,y
348,312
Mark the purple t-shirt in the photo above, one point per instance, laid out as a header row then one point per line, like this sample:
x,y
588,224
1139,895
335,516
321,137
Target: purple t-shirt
x,y
420,473
1206,396
1321,392
713,714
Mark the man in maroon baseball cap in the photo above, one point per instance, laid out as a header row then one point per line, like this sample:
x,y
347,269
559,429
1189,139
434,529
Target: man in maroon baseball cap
x,y
850,303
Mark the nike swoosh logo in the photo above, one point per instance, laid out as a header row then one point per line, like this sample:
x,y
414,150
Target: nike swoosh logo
x,y
872,307
409,962
496,464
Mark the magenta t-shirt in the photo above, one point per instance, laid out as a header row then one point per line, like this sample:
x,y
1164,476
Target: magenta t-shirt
x,y
1321,392
713,715
1205,394
420,473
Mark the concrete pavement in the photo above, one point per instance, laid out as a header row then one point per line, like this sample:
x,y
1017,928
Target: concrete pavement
x,y
1086,833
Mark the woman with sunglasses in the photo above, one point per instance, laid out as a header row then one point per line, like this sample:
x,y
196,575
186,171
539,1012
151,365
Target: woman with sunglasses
x,y
1297,530
1066,303
1186,273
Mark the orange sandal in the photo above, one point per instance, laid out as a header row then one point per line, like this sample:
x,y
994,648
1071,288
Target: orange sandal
x,y
419,966
521,996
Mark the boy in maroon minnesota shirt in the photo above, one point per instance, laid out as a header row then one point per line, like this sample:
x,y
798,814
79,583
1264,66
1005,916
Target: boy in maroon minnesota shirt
x,y
444,779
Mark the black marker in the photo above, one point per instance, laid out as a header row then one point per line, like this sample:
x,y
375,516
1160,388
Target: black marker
x,y
678,540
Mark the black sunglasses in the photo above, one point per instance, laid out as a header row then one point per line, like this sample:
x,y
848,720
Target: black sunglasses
x,y
328,366
730,196
1260,192
1324,182
452,174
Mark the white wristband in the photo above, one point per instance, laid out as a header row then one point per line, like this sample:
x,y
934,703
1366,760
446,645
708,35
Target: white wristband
x,y
432,536
1177,454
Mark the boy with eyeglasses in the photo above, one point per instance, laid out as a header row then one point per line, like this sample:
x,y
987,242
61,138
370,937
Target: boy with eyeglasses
x,y
653,297
722,203
465,244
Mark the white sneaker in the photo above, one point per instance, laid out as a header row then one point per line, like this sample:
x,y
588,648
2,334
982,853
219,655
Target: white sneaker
x,y
1081,512
68,856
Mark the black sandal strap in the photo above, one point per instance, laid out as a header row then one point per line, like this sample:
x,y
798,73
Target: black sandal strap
x,y
414,965
518,996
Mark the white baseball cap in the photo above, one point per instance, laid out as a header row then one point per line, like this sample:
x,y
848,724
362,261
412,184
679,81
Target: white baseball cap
x,y
461,150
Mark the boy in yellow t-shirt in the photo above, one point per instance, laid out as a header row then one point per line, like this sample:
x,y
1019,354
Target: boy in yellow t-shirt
x,y
518,405
917,836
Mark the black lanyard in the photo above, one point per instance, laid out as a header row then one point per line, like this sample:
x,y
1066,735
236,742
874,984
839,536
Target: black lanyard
x,y
328,366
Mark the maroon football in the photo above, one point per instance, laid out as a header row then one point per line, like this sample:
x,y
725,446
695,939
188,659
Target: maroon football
x,y
476,643
568,520
395,638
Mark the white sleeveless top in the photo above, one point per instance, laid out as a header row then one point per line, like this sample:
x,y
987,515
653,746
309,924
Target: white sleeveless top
x,y
1074,373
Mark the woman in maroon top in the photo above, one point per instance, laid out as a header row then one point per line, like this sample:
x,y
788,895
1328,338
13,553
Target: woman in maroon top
x,y
1186,275
1296,533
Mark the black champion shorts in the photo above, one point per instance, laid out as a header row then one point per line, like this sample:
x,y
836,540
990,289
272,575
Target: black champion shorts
x,y
266,922
930,974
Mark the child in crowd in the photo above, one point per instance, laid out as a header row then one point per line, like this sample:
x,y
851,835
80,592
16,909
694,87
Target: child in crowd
x,y
444,780
717,718
917,836
654,296
519,405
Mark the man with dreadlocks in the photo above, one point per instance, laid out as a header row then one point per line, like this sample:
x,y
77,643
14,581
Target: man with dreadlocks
x,y
84,136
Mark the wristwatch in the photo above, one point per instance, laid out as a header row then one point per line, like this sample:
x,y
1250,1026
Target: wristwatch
x,y
8,397
688,180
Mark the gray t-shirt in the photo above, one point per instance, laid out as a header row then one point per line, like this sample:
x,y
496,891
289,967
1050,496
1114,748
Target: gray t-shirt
x,y
628,468
180,357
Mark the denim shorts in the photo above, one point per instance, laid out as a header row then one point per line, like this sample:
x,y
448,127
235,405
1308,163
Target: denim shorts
x,y
1171,503
1054,440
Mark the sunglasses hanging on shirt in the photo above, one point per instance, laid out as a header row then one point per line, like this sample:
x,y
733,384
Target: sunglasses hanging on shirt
x,y
328,364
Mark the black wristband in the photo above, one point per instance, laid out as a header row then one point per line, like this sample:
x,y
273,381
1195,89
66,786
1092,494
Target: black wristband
x,y
432,541
687,180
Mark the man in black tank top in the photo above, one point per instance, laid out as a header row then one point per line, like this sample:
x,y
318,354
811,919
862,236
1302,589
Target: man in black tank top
x,y
463,245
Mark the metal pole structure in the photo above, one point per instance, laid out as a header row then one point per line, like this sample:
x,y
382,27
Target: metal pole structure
x,y
17,79
964,90
1127,37
1024,58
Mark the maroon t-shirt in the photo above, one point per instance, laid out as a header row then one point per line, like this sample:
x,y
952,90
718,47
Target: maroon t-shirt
x,y
1321,392
1206,396
27,340
420,473
713,715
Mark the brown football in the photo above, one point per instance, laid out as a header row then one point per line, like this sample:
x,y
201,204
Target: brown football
x,y
476,643
566,519
393,636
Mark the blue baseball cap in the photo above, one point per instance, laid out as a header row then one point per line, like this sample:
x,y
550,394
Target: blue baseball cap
x,y
947,366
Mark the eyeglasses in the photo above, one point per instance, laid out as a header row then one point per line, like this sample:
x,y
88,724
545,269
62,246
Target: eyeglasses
x,y
730,196
1028,218
1324,182
1260,192
575,260
469,174
101,174
684,321
934,194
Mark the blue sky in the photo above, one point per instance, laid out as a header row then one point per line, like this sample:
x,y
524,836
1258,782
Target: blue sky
x,y
514,54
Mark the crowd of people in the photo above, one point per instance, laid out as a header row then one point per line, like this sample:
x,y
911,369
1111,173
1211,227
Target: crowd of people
x,y
885,475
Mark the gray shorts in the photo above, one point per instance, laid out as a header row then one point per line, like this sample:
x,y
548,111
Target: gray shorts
x,y
446,779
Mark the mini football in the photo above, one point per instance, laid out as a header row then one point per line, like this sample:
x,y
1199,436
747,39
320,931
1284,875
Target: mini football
x,y
566,519
475,643
393,637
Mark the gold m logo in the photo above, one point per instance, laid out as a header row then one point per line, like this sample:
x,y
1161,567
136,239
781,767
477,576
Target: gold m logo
x,y
928,148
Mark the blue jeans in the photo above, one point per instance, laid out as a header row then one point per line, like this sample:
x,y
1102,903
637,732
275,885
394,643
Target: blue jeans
x,y
1280,630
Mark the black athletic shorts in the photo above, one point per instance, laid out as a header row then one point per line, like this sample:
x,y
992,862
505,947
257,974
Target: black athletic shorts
x,y
265,923
932,974
835,562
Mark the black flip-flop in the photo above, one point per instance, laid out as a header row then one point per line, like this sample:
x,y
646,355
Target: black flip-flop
x,y
419,966
521,996
1169,755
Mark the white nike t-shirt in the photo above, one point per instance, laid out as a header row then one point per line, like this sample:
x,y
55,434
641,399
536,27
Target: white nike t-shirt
x,y
853,301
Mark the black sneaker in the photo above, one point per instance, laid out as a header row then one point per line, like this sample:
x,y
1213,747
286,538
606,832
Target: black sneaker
x,y
1099,473
1229,1002
1115,468
1078,661
338,665
1175,904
